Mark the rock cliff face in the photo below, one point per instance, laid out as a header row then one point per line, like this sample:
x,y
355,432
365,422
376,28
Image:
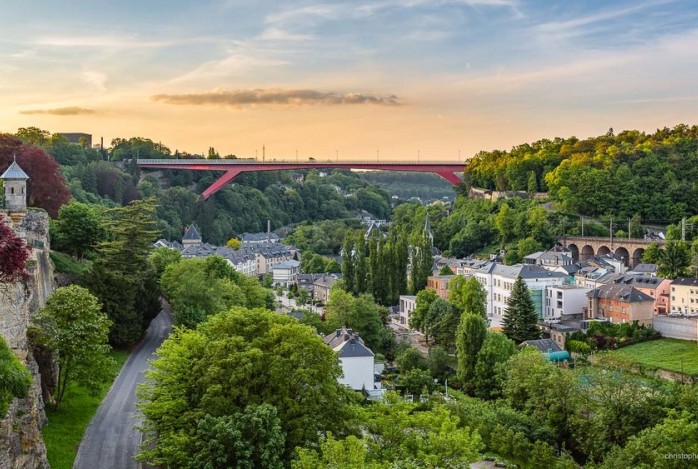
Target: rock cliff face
x,y
21,443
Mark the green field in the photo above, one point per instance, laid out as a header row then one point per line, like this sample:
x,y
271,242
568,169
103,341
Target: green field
x,y
65,427
667,354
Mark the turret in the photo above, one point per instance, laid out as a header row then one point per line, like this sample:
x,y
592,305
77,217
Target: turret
x,y
14,180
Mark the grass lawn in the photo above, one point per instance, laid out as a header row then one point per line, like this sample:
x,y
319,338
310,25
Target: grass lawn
x,y
668,354
66,426
67,265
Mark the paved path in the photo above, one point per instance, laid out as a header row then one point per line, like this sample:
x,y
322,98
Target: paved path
x,y
110,441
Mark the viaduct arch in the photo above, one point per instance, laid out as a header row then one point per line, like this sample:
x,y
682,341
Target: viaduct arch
x,y
628,249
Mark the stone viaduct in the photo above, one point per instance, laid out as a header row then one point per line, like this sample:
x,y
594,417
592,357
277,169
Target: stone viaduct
x,y
628,249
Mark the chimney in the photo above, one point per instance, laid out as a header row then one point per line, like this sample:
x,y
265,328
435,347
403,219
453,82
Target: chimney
x,y
268,231
339,332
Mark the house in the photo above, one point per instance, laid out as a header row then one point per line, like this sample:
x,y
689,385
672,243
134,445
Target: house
x,y
407,304
620,303
684,296
356,359
656,287
268,255
242,261
439,285
322,286
163,243
191,237
564,302
646,270
498,281
285,273
305,282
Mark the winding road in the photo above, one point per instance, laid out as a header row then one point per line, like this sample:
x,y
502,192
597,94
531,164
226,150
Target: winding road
x,y
110,441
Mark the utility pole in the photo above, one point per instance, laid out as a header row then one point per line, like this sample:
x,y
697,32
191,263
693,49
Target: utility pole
x,y
417,156
628,228
337,155
683,229
264,151
610,230
296,155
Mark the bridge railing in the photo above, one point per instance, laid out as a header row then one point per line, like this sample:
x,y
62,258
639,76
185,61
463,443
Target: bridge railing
x,y
607,239
240,161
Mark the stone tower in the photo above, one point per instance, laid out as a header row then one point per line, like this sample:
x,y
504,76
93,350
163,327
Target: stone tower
x,y
15,182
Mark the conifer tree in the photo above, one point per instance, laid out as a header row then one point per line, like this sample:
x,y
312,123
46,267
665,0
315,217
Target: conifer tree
x,y
520,318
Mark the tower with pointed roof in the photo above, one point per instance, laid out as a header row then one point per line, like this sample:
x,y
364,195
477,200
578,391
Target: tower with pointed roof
x,y
14,181
191,237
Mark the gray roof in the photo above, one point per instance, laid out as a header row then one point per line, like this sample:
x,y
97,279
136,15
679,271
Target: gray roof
x,y
325,280
646,268
544,345
526,271
205,250
191,234
347,343
258,237
691,282
14,172
623,293
287,265
631,280
266,249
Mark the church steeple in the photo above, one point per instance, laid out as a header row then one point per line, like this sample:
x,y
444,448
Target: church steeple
x,y
14,180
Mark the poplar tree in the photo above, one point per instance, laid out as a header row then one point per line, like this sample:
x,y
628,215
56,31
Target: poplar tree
x,y
360,265
470,336
348,262
520,318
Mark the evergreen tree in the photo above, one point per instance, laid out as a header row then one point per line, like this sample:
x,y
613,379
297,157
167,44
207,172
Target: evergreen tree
x,y
360,265
422,262
122,277
520,318
471,334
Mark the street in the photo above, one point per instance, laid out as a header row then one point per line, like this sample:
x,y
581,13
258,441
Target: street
x,y
110,441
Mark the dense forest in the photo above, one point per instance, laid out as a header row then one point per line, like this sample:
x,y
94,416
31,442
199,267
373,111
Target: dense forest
x,y
630,173
428,187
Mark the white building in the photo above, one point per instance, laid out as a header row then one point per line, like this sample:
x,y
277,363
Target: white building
x,y
563,301
498,281
407,304
356,359
285,273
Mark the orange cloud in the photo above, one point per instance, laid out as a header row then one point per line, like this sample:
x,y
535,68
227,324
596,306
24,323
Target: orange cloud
x,y
61,111
276,97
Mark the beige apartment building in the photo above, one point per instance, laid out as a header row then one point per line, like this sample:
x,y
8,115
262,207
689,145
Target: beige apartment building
x,y
684,296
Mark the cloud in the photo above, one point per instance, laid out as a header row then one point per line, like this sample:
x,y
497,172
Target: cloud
x,y
60,111
276,97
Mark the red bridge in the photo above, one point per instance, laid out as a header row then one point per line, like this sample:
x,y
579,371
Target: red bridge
x,y
232,168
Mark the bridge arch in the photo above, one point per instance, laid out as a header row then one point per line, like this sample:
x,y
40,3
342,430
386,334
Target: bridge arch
x,y
637,256
574,250
603,250
587,252
622,253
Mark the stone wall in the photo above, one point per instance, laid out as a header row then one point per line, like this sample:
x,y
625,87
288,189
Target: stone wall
x,y
676,328
21,443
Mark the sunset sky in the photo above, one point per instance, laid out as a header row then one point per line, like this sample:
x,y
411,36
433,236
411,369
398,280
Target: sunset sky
x,y
398,76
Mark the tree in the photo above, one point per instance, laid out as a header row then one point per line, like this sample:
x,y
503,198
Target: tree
x,y
652,254
78,228
520,320
674,260
251,438
234,243
490,367
242,358
348,263
441,323
74,326
439,363
446,270
161,257
469,339
46,187
16,379
417,381
418,318
13,255
121,277
411,359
